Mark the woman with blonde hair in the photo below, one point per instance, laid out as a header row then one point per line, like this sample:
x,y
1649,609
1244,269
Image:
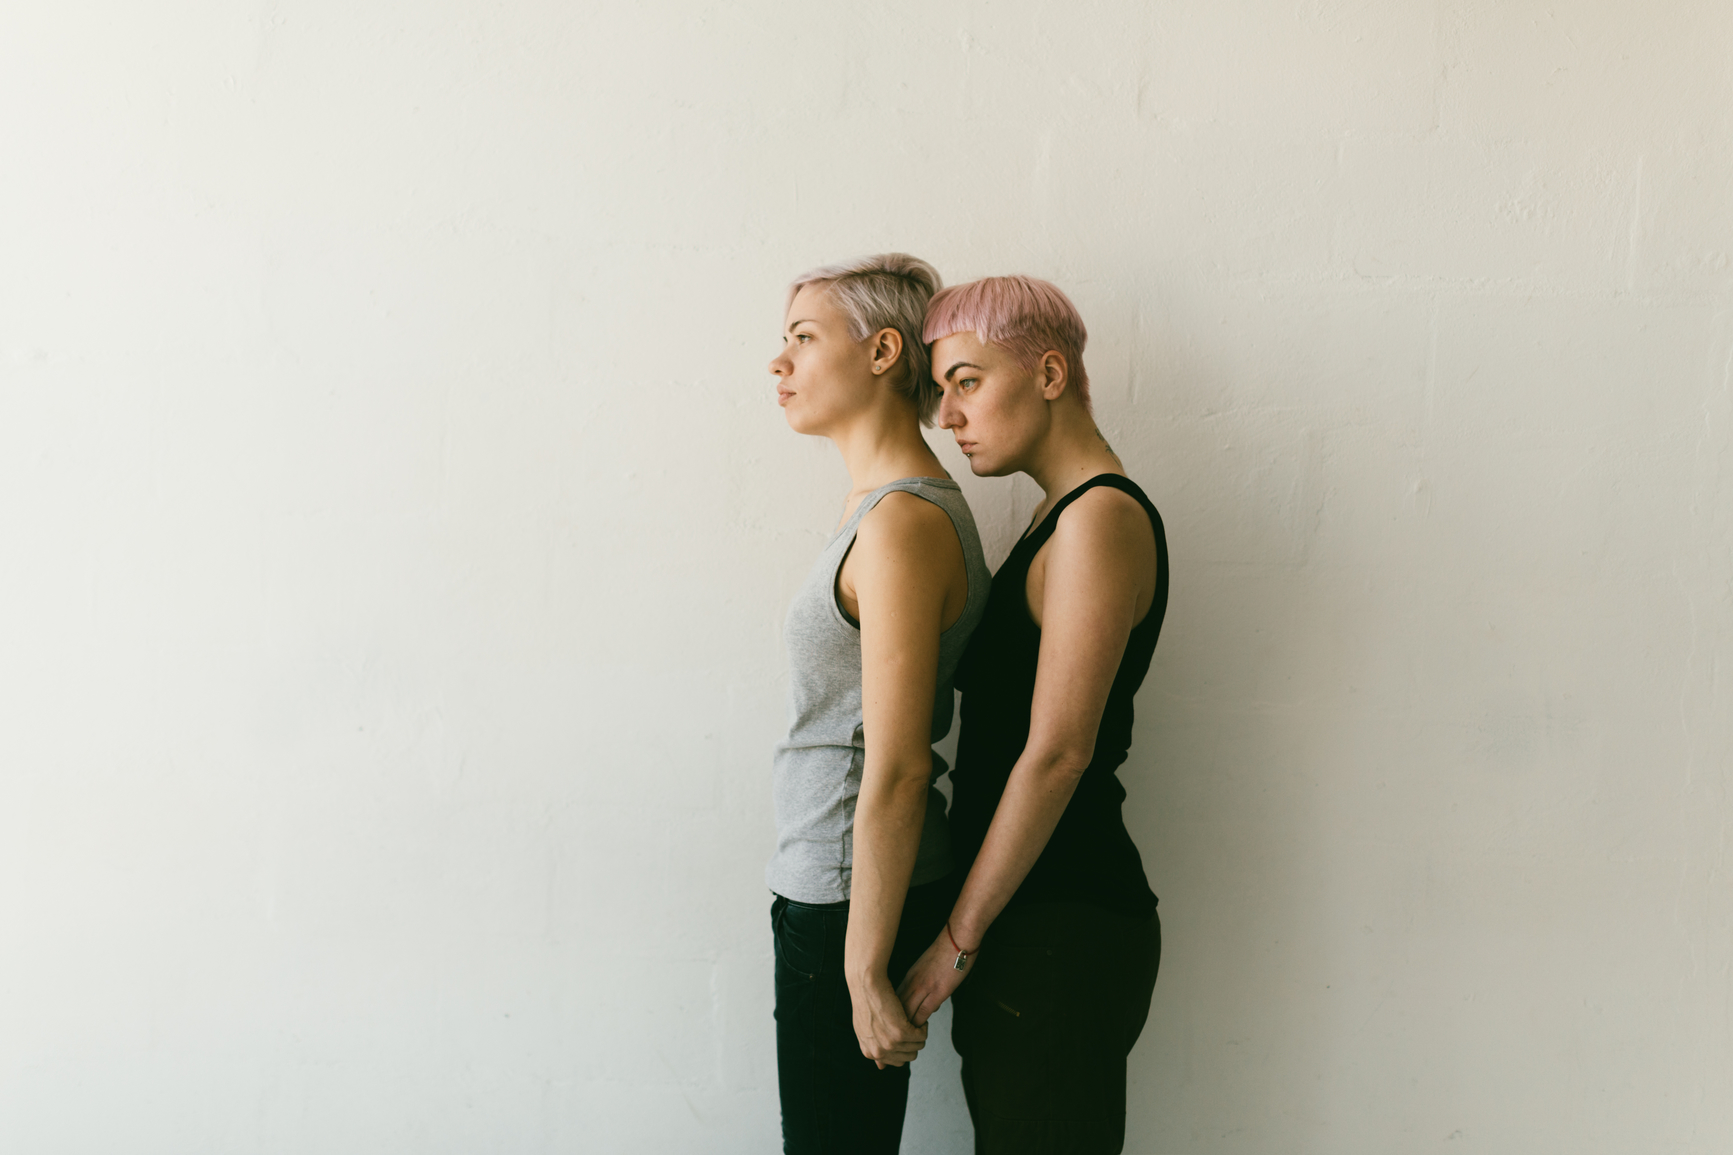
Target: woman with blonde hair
x,y
1053,945
873,637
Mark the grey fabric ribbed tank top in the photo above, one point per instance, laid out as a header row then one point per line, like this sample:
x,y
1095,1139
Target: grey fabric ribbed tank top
x,y
818,766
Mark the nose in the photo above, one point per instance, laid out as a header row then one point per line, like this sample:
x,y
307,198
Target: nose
x,y
950,413
780,365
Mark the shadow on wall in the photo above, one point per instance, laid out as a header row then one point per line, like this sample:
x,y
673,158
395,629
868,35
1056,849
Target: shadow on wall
x,y
1215,782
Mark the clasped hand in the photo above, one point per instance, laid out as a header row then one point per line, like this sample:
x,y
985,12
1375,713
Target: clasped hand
x,y
886,1035
933,979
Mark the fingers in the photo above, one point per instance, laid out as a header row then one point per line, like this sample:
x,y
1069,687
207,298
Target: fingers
x,y
893,1050
917,990
888,1034
906,1047
922,997
896,1058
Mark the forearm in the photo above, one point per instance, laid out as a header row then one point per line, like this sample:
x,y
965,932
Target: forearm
x,y
1039,788
889,813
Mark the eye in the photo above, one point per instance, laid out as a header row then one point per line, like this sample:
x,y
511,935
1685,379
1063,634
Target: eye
x,y
803,337
967,384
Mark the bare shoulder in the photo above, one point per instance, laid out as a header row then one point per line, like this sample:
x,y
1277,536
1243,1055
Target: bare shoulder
x,y
903,521
1104,518
1103,550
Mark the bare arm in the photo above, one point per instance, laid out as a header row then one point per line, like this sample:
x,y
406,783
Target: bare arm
x,y
1098,569
900,570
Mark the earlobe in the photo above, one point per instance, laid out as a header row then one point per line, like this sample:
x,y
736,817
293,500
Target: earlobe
x,y
886,350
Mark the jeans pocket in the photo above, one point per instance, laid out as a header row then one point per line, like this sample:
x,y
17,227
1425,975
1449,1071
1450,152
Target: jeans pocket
x,y
800,942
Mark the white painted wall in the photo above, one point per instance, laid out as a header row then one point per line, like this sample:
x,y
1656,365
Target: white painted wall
x,y
396,525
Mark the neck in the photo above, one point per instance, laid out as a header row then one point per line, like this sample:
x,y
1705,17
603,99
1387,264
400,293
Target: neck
x,y
883,445
1071,453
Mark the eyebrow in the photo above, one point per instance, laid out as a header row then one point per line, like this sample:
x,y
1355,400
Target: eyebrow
x,y
961,365
802,321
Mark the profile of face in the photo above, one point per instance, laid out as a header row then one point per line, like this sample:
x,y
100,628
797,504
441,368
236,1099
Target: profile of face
x,y
996,408
824,377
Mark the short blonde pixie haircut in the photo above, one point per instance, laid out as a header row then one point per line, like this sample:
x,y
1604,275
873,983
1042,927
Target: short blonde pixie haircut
x,y
1022,315
886,291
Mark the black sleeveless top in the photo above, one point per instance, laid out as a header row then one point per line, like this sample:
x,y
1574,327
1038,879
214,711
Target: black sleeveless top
x,y
1090,857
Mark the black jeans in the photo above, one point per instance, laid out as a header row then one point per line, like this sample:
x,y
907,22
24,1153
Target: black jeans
x,y
835,1100
1059,995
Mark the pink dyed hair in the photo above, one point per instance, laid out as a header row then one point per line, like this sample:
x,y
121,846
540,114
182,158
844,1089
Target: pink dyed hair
x,y
1022,315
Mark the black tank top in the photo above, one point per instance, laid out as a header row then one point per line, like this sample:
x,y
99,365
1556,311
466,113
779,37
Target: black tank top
x,y
1090,857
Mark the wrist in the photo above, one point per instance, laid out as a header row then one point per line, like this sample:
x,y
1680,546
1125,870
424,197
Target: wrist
x,y
964,956
962,934
865,973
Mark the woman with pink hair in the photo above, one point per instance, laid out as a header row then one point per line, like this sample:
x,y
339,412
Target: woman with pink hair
x,y
1053,944
874,635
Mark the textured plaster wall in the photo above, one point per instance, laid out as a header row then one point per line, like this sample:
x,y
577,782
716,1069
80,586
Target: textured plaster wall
x,y
396,525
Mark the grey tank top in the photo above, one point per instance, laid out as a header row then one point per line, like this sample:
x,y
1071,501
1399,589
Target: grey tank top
x,y
818,766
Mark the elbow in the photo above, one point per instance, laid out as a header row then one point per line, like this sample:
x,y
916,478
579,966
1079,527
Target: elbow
x,y
1068,762
900,774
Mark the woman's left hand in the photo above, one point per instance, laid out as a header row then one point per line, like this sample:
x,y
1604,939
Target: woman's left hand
x,y
933,979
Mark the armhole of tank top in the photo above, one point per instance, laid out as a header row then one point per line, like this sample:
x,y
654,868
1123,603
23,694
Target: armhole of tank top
x,y
1050,524
860,515
842,615
1159,534
835,598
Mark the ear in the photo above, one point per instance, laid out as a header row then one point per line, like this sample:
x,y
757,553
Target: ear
x,y
887,348
1053,374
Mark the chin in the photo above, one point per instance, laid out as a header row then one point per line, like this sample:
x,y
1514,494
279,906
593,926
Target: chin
x,y
982,467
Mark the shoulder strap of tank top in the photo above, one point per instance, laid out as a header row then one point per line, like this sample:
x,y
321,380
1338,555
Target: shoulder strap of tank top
x,y
1112,480
948,497
911,485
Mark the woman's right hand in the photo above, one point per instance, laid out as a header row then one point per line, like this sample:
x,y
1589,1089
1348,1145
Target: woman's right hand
x,y
886,1035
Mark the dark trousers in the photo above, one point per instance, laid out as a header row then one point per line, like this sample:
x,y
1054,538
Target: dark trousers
x,y
1059,994
835,1100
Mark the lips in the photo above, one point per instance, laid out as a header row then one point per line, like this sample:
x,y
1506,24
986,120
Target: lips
x,y
782,396
967,447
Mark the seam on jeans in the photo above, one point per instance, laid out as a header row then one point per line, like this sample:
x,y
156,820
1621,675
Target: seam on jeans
x,y
1013,1010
